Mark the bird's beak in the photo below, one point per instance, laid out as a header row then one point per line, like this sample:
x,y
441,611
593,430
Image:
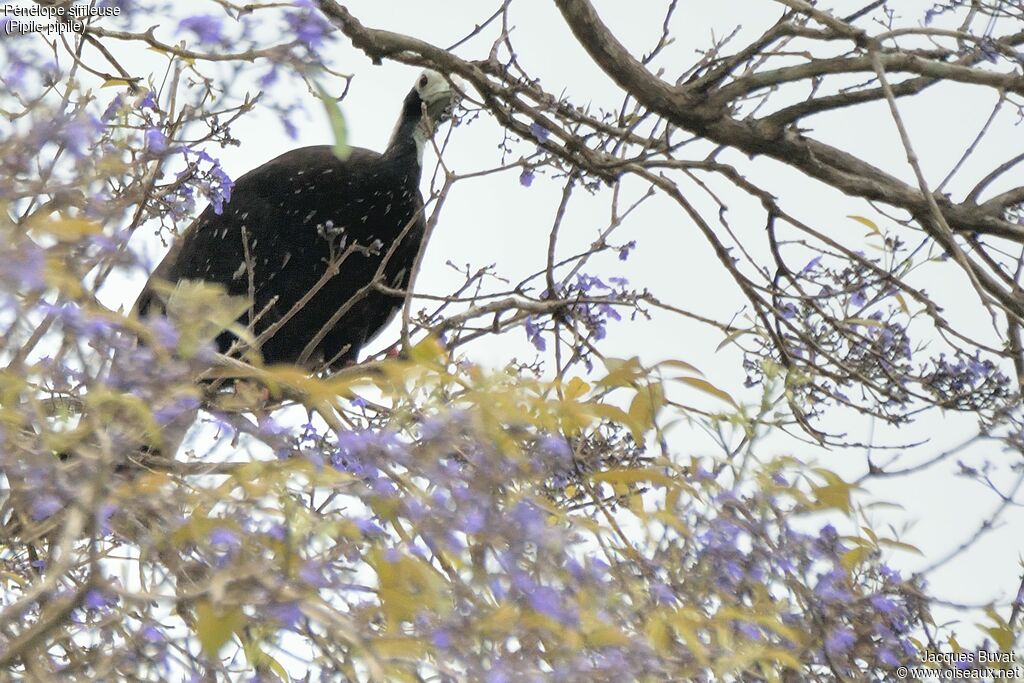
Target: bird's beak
x,y
440,110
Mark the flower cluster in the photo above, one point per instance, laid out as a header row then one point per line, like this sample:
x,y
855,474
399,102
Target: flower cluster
x,y
849,328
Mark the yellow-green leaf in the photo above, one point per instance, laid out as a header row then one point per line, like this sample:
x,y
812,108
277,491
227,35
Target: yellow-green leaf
x,y
901,546
708,388
633,475
337,120
615,414
576,388
645,405
215,625
682,365
731,338
867,322
854,556
429,350
868,222
622,372
64,228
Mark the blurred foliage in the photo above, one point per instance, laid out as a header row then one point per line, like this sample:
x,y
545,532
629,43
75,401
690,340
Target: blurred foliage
x,y
423,517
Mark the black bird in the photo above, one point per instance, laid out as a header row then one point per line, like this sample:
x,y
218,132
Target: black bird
x,y
309,235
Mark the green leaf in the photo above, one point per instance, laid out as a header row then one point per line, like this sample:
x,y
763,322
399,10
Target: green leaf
x,y
201,311
853,557
633,475
835,493
615,414
645,405
866,322
428,351
708,388
682,365
337,121
64,228
622,372
869,223
576,389
732,338
258,658
898,545
214,626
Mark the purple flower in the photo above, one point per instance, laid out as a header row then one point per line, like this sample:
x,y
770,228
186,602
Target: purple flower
x,y
270,77
164,331
45,506
149,101
533,333
811,265
529,518
539,132
556,445
220,188
308,26
111,111
151,634
103,516
662,593
625,249
883,604
890,574
206,27
840,640
526,177
313,573
15,76
78,135
224,537
368,527
98,599
156,141
473,521
496,675
608,311
167,413
749,631
546,600
269,427
830,587
287,614
442,638
587,282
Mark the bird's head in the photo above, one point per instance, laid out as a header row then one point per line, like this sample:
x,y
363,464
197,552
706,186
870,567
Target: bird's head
x,y
436,95
429,103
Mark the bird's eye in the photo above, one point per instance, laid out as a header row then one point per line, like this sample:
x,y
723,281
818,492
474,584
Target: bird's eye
x,y
423,81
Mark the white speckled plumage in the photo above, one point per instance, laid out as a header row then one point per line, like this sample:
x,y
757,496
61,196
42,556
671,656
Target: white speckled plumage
x,y
305,208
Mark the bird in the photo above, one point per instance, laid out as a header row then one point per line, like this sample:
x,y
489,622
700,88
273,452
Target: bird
x,y
308,236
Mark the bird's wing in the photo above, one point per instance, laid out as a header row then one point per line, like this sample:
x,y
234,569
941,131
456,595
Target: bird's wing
x,y
257,191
